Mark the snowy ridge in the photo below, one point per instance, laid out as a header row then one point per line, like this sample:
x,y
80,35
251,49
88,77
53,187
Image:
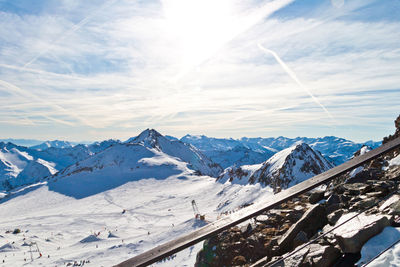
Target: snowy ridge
x,y
290,166
55,143
197,161
238,174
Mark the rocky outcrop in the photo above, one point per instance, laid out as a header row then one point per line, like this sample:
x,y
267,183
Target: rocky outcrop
x,y
313,220
353,235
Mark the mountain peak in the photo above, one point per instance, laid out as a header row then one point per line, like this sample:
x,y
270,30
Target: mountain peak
x,y
149,137
291,166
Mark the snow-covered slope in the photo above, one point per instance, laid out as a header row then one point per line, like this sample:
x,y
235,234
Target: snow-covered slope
x,y
197,161
238,174
113,206
54,143
290,166
116,166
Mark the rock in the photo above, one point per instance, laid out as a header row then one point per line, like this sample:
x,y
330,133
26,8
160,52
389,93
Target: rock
x,y
300,239
365,203
316,196
333,199
391,205
374,194
239,260
334,217
313,255
333,207
352,236
246,229
262,218
345,198
348,260
311,221
321,256
361,177
356,188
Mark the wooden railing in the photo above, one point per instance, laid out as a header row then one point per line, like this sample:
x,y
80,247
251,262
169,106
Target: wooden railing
x,y
162,251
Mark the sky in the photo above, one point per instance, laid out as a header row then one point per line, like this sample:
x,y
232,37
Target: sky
x,y
100,69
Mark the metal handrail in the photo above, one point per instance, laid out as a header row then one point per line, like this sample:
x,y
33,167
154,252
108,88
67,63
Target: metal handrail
x,y
167,249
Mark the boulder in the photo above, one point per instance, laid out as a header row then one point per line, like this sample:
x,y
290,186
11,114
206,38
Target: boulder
x,y
316,196
352,236
333,207
313,255
321,256
333,199
357,188
239,260
365,203
310,223
300,239
334,216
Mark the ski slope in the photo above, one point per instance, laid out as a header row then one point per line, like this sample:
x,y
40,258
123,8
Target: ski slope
x,y
69,229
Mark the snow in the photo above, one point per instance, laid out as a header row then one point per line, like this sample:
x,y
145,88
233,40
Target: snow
x,y
395,161
355,171
90,238
152,139
377,244
229,175
55,143
364,150
140,194
292,166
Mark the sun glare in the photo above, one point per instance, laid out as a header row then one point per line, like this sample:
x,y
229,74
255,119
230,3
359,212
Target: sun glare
x,y
199,27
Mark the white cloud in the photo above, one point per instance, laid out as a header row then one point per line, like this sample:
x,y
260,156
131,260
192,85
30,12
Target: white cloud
x,y
113,69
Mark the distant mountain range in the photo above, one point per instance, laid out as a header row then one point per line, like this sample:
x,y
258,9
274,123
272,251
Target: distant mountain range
x,y
21,165
227,152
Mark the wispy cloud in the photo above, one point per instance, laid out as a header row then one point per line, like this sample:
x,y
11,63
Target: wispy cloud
x,y
112,68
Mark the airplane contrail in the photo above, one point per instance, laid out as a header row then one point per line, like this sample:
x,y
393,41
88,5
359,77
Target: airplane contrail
x,y
70,31
294,77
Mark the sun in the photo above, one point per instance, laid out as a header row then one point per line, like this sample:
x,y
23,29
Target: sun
x,y
200,27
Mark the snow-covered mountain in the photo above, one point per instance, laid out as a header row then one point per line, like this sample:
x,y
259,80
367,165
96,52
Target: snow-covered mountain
x,y
290,166
229,152
286,168
54,143
238,156
150,138
22,142
21,165
337,150
18,166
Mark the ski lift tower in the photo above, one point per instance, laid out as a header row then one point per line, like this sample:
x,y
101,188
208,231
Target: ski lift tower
x,y
196,211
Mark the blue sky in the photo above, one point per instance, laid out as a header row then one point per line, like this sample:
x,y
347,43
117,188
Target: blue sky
x,y
92,70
